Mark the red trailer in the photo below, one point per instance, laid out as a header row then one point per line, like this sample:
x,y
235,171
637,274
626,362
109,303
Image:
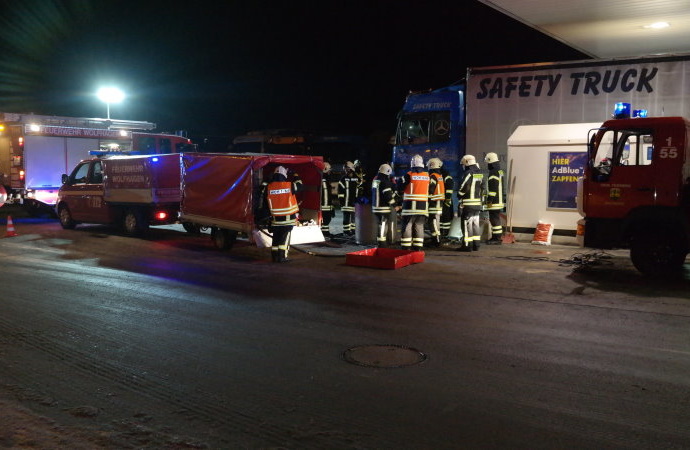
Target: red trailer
x,y
223,192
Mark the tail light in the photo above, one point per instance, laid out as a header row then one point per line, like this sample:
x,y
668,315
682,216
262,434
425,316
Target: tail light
x,y
21,175
160,215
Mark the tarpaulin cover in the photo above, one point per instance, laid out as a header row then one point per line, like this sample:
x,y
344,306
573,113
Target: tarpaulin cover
x,y
228,186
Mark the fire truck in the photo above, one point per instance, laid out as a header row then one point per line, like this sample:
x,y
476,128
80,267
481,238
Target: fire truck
x,y
636,190
36,150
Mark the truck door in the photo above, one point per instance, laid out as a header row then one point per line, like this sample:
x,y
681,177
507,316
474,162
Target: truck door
x,y
84,195
622,173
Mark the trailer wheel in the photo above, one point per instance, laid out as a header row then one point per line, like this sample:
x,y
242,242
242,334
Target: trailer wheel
x,y
223,239
658,252
191,228
65,217
134,222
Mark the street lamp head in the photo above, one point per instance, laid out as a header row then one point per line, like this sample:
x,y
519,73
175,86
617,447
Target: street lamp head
x,y
110,95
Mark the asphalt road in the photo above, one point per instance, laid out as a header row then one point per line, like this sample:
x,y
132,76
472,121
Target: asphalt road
x,y
165,342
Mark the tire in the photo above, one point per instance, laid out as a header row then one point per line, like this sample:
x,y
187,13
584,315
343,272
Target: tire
x,y
65,217
223,239
134,222
191,228
659,255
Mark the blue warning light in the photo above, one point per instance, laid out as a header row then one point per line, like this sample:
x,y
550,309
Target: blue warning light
x,y
639,113
621,110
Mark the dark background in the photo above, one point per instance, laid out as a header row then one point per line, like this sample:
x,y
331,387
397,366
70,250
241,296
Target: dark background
x,y
220,69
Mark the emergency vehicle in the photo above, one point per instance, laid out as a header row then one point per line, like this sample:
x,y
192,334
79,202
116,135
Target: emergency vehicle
x,y
36,150
133,191
636,190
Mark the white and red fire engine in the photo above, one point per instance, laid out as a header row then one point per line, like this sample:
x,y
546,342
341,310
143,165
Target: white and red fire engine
x,y
36,150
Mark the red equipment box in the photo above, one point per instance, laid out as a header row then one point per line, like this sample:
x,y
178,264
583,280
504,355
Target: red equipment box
x,y
384,258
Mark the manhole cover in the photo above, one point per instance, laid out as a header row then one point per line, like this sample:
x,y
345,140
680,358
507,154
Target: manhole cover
x,y
388,356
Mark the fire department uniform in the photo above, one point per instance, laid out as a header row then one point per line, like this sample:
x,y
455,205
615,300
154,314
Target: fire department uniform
x,y
437,194
447,212
282,202
495,199
327,210
415,207
383,203
348,188
470,198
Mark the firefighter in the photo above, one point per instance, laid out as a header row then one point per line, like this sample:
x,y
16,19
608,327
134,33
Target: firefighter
x,y
326,201
347,194
447,213
282,202
495,199
437,194
415,207
383,203
470,203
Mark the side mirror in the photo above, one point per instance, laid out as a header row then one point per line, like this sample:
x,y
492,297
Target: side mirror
x,y
65,178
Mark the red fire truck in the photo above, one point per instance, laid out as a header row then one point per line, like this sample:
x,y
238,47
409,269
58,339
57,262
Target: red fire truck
x,y
36,150
636,191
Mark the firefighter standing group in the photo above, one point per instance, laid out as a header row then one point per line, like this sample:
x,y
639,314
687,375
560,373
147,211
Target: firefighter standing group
x,y
426,192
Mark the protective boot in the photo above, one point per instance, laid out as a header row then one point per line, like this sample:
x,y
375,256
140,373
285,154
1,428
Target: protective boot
x,y
475,246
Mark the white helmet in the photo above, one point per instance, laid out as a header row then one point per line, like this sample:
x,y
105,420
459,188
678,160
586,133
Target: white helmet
x,y
491,157
468,160
281,170
435,163
385,169
417,161
349,166
326,167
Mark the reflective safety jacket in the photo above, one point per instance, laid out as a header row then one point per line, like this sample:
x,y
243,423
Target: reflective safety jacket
x,y
415,187
326,197
382,194
449,184
281,199
471,186
347,192
495,199
436,192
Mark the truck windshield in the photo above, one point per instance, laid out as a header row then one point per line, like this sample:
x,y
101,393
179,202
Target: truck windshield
x,y
423,128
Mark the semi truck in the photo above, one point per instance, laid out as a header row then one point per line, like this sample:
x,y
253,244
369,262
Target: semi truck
x,y
132,191
635,192
479,114
223,193
36,150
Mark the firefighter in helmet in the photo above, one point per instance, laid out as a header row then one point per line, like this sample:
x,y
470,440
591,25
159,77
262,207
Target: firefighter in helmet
x,y
415,207
327,210
495,198
282,202
348,188
437,194
470,203
383,203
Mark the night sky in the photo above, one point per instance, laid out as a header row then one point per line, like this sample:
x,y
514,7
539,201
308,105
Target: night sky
x,y
223,68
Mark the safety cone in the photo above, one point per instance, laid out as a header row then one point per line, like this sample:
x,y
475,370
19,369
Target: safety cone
x,y
10,228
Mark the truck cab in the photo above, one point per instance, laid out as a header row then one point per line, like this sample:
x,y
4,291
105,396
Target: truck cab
x,y
635,190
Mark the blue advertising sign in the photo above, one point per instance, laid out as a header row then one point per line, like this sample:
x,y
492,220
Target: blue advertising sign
x,y
564,170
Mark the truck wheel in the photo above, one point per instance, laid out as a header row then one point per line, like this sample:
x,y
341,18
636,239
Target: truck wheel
x,y
658,252
223,239
134,222
65,217
191,228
